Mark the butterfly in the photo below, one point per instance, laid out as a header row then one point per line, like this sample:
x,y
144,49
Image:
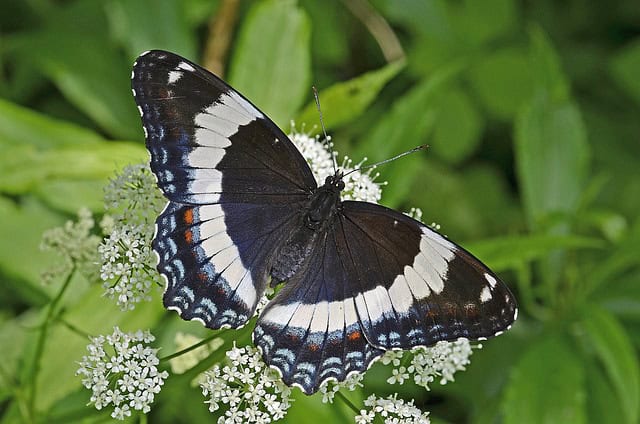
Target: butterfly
x,y
244,212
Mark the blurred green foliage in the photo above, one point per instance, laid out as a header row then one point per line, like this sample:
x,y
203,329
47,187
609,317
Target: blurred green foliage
x,y
531,110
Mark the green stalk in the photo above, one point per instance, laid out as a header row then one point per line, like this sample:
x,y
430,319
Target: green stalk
x,y
44,329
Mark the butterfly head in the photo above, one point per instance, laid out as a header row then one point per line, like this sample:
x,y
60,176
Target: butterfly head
x,y
334,182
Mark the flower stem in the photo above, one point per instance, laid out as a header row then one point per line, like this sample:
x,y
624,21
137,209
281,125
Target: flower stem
x,y
192,347
39,349
347,402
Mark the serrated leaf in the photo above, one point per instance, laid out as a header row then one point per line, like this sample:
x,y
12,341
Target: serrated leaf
x,y
345,101
546,386
618,357
272,63
510,252
552,157
625,68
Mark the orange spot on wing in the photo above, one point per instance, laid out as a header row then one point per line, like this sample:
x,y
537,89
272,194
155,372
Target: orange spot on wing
x,y
188,236
202,276
354,336
314,347
471,310
188,216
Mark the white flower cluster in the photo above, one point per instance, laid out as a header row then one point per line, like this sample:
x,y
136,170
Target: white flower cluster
x,y
358,185
133,197
426,363
75,243
253,392
126,270
392,411
127,260
329,388
124,375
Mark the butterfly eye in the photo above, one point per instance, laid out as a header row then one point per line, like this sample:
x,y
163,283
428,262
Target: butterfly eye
x,y
327,180
340,185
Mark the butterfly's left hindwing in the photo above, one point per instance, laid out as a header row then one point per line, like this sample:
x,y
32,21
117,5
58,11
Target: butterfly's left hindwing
x,y
235,184
311,331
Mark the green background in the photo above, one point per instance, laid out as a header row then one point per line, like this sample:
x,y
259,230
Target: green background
x,y
532,112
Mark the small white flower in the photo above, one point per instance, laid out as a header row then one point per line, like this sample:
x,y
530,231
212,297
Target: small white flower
x,y
399,376
125,375
127,260
392,357
76,244
392,410
329,388
359,185
251,391
442,360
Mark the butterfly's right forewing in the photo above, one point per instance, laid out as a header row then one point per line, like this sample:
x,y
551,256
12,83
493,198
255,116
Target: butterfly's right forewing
x,y
235,185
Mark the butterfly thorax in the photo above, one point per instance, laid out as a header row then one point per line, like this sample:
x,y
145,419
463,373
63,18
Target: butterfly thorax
x,y
316,217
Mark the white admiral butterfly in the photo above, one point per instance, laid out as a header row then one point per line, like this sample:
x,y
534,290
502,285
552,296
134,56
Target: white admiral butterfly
x,y
245,211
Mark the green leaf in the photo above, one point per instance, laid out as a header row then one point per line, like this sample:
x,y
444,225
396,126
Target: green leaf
x,y
272,63
90,73
510,252
21,260
503,81
481,22
345,101
71,195
70,162
618,357
547,386
552,157
604,406
546,66
406,125
458,126
13,335
625,68
147,24
22,126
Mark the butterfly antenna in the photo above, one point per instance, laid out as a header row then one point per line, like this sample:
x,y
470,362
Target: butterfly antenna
x,y
324,131
408,152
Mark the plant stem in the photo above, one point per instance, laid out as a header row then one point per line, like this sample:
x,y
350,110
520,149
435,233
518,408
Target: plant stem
x,y
192,347
347,402
39,349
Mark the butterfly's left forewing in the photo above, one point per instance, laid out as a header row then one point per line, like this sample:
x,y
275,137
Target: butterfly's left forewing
x,y
235,185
